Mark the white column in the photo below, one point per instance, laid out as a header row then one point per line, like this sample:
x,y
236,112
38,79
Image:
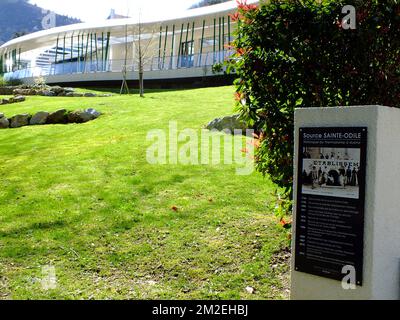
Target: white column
x,y
382,203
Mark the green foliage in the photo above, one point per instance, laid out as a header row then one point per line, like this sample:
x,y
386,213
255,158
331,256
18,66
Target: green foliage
x,y
206,3
295,54
4,82
217,68
14,82
40,81
19,17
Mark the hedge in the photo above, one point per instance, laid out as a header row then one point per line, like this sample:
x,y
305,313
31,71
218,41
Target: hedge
x,y
295,54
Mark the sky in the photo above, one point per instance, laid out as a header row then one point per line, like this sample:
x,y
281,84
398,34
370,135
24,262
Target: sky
x,y
97,10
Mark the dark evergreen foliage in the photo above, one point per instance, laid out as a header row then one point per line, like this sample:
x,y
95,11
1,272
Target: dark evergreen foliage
x,y
293,54
19,17
206,3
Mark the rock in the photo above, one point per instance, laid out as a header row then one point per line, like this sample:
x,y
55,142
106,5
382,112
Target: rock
x,y
4,123
250,290
69,90
75,94
230,123
90,94
24,92
12,100
19,99
93,112
46,93
62,94
56,89
32,90
1,115
39,118
7,90
73,117
19,120
80,117
60,116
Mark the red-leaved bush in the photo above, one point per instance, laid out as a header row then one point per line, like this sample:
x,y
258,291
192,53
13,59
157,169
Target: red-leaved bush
x,y
294,54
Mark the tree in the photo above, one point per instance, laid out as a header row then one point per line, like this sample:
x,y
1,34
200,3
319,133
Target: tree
x,y
206,3
124,86
143,54
19,34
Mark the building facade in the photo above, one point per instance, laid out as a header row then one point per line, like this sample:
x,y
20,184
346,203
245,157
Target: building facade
x,y
183,47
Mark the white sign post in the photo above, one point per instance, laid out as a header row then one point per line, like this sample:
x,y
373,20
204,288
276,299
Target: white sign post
x,y
334,174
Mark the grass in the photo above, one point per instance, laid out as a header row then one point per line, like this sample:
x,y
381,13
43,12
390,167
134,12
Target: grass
x,y
83,198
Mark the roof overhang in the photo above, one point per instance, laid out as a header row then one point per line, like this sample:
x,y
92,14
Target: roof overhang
x,y
117,27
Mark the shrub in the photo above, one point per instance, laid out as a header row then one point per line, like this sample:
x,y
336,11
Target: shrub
x,y
40,81
4,82
217,68
294,54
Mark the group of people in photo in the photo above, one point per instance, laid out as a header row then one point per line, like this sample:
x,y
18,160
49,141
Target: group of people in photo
x,y
331,168
324,176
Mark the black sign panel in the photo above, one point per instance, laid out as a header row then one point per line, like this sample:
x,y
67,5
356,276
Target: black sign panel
x,y
330,201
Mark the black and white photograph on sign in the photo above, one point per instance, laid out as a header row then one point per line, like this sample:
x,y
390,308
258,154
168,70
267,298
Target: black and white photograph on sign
x,y
331,172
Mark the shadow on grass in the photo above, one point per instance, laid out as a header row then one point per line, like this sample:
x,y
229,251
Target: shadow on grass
x,y
135,91
36,226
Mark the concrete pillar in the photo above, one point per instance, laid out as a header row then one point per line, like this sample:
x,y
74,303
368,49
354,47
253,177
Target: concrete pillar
x,y
381,261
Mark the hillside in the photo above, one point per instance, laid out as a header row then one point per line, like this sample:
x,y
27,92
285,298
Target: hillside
x,y
206,3
21,17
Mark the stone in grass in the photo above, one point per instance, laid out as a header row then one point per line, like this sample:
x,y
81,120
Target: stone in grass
x,y
4,123
46,93
6,90
24,92
230,123
74,94
7,101
250,290
39,118
57,90
19,99
20,120
80,116
69,90
58,117
93,112
90,94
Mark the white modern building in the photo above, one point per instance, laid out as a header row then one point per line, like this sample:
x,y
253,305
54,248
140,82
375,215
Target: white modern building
x,y
181,48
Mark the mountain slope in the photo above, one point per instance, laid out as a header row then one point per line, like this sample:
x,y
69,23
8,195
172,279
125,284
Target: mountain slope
x,y
206,3
18,17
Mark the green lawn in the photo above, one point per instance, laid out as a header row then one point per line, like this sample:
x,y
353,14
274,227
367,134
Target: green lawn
x,y
83,198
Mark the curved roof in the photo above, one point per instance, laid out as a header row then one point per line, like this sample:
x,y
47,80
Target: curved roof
x,y
117,26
